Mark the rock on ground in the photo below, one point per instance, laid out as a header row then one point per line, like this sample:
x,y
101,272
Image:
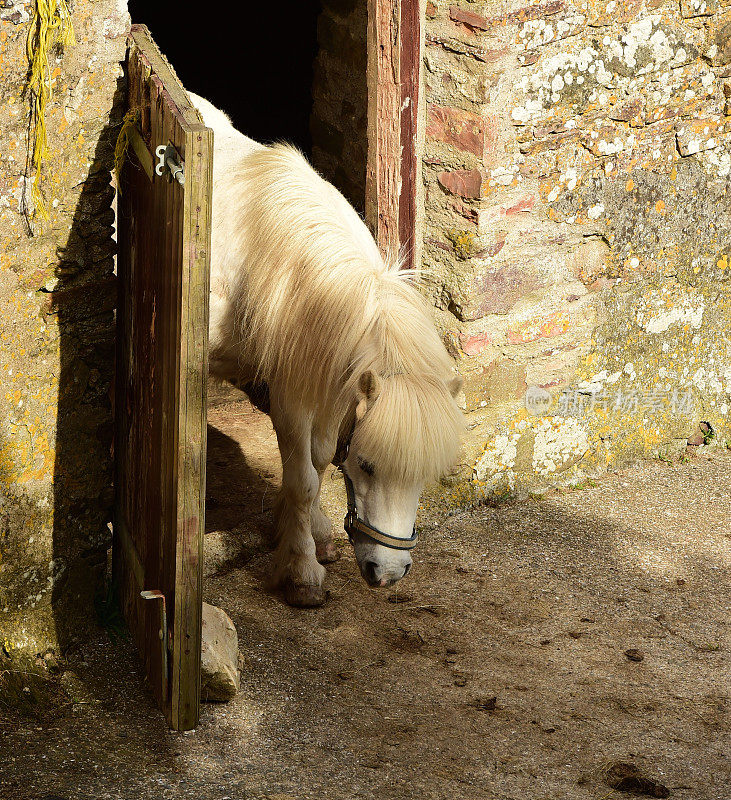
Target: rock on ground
x,y
219,656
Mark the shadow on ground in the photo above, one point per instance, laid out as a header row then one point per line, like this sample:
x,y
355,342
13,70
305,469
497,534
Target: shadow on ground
x,y
242,478
496,671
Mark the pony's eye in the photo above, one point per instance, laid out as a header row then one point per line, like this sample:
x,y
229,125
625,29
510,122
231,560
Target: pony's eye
x,y
366,466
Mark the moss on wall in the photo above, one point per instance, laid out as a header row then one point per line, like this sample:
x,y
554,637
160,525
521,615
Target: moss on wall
x,y
582,149
57,297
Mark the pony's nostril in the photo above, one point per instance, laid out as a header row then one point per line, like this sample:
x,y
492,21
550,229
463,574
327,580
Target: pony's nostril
x,y
406,570
371,569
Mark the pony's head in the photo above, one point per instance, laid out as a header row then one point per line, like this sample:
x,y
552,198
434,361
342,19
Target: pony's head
x,y
406,434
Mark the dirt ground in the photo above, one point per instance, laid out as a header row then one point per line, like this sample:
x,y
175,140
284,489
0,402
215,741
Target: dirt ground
x,y
496,670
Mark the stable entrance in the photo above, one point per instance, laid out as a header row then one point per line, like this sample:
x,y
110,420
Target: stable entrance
x,y
164,209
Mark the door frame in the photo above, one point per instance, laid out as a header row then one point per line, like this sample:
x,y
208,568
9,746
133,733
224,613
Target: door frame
x,y
395,43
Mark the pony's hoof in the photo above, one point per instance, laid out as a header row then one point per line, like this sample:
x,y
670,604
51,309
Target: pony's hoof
x,y
303,595
327,552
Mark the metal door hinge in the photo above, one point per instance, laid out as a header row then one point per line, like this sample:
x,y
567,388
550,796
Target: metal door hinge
x,y
169,160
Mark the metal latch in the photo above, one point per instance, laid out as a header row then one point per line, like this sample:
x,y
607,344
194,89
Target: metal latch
x,y
167,156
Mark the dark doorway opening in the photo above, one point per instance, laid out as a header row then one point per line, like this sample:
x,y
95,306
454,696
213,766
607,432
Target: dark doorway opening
x,y
251,61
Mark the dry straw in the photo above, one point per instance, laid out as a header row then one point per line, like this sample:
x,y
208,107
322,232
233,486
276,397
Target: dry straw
x,y
51,25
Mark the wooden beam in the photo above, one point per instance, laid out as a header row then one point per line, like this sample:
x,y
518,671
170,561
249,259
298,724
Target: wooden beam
x,y
383,183
393,80
410,55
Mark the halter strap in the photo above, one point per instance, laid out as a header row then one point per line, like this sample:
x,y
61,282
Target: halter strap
x,y
353,523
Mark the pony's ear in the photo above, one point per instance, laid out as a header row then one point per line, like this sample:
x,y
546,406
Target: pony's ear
x,y
454,384
369,387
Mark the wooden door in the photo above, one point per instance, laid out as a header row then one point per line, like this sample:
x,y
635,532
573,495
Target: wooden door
x,y
160,402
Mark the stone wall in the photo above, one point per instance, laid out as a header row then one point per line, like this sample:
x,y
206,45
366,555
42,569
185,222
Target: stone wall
x,y
577,233
339,98
57,295
576,243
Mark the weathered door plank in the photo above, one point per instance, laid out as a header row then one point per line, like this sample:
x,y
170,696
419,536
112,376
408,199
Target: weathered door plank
x,y
164,234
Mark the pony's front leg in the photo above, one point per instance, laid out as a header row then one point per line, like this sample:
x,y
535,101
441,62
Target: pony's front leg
x,y
326,550
323,451
296,569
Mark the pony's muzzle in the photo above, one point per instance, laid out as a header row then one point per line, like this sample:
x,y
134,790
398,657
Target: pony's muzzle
x,y
381,575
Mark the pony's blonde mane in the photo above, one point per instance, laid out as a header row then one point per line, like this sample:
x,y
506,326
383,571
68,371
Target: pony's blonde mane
x,y
412,432
317,306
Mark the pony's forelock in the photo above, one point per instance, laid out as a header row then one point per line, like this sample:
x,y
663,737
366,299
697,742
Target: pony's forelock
x,y
412,431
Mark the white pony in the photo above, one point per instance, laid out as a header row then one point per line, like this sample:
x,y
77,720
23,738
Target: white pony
x,y
302,300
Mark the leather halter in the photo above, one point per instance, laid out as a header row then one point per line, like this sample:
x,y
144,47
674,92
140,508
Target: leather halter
x,y
353,523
